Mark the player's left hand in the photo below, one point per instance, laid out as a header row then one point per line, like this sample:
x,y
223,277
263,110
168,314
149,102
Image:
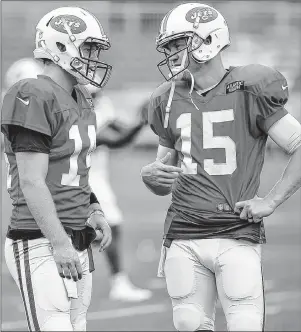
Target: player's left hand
x,y
99,223
254,209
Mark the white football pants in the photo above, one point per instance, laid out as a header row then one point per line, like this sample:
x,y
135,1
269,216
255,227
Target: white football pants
x,y
197,272
51,303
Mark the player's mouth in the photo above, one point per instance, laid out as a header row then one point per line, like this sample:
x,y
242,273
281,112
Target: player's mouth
x,y
175,65
175,68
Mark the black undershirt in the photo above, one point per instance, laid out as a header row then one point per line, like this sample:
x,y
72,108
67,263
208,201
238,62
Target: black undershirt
x,y
27,140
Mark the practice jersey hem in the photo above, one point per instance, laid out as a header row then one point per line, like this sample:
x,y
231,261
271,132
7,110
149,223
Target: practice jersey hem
x,y
254,239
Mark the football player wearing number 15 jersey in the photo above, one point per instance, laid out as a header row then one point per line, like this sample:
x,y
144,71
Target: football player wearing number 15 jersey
x,y
213,125
50,132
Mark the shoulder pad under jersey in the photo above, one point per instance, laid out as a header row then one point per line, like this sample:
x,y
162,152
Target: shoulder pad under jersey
x,y
28,103
258,77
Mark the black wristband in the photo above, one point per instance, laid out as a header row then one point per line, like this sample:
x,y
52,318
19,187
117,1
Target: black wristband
x,y
93,198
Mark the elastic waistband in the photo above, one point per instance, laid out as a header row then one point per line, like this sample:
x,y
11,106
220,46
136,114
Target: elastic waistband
x,y
31,234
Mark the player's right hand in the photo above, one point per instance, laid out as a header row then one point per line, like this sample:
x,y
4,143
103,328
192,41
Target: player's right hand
x,y
159,174
67,262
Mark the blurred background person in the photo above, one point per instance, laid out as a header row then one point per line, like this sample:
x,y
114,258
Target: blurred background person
x,y
113,133
19,70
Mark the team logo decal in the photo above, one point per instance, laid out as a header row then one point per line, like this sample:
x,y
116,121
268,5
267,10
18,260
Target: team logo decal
x,y
233,86
203,14
223,207
75,24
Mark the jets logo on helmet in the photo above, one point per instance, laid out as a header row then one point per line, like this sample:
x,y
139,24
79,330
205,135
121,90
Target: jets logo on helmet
x,y
205,15
204,30
75,24
74,39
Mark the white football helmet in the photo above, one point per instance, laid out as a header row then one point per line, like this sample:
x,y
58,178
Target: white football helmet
x,y
21,69
204,28
73,38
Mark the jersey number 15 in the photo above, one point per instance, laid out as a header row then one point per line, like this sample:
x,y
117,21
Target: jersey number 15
x,y
209,142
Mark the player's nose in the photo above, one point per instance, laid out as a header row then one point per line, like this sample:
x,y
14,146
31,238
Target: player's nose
x,y
174,60
174,56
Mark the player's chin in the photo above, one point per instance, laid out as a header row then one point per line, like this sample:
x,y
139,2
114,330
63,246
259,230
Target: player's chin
x,y
183,76
176,71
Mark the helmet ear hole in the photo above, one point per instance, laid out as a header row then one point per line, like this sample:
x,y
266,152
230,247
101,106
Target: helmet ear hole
x,y
61,47
208,40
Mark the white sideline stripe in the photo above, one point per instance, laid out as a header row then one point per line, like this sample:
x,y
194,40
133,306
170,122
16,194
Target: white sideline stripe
x,y
100,315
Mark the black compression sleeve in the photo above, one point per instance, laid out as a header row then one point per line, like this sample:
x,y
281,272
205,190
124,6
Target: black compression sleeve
x,y
27,140
93,198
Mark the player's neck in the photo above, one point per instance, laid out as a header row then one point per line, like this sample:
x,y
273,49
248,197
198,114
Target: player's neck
x,y
60,77
209,75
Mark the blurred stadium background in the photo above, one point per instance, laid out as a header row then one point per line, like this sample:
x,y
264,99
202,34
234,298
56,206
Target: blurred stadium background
x,y
263,32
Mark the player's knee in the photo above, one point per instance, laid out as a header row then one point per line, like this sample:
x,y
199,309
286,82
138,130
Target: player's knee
x,y
245,321
187,317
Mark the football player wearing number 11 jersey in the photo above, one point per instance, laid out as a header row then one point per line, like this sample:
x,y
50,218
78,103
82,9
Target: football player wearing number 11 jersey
x,y
213,124
50,132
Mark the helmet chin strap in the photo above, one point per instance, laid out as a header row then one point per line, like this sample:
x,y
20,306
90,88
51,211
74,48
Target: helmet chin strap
x,y
191,89
173,86
172,89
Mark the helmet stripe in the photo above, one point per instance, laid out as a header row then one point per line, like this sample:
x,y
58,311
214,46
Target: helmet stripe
x,y
165,19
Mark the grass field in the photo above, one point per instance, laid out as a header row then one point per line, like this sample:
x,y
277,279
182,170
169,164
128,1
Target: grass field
x,y
144,214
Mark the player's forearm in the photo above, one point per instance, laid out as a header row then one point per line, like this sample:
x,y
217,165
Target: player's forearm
x,y
289,183
119,139
125,138
42,208
160,176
